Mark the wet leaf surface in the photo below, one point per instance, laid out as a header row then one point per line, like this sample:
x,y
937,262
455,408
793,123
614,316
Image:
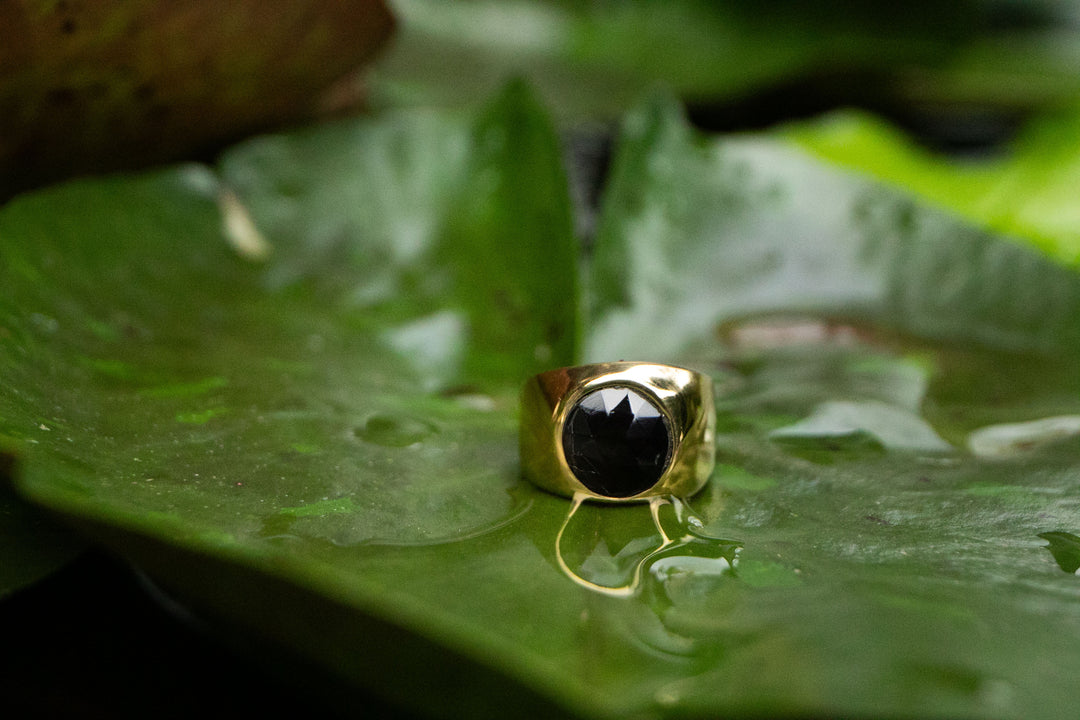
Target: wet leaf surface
x,y
902,576
1026,191
164,395
319,448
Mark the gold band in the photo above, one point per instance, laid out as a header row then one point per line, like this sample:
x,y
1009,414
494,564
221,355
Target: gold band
x,y
619,431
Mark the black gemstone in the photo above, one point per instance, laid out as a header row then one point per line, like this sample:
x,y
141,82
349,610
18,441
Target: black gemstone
x,y
616,442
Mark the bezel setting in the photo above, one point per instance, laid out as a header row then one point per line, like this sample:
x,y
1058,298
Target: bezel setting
x,y
682,397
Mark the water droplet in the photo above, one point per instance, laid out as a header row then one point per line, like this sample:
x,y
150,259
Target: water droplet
x,y
667,696
44,323
1012,439
849,424
433,346
476,401
392,431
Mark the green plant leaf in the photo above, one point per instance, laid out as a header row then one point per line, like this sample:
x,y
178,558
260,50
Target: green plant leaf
x,y
1027,192
296,425
848,249
892,574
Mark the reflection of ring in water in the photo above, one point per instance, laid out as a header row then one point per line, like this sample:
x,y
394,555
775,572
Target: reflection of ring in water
x,y
681,552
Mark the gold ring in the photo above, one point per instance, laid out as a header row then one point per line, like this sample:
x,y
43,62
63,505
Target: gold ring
x,y
618,431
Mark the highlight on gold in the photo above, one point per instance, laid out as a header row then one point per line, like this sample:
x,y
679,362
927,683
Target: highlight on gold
x,y
618,431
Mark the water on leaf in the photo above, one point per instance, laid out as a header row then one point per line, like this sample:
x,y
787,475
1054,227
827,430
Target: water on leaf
x,y
1017,439
394,431
608,553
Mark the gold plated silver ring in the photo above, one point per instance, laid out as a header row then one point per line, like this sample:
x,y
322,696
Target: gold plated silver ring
x,y
619,431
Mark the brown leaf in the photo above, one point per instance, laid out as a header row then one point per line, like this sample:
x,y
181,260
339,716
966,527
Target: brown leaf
x,y
91,86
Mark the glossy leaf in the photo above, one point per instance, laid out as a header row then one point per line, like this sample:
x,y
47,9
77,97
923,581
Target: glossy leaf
x,y
849,249
191,370
1028,192
902,577
305,436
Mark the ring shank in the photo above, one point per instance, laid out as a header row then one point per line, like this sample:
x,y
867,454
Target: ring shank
x,y
685,397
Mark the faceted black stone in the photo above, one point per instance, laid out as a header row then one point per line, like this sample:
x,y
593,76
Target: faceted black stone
x,y
616,442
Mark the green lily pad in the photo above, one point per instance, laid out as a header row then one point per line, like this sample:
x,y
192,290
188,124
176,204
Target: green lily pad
x,y
1028,192
290,393
675,258
180,360
899,580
